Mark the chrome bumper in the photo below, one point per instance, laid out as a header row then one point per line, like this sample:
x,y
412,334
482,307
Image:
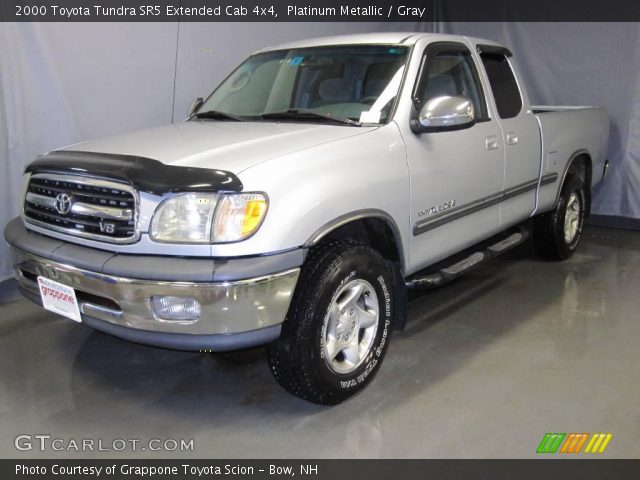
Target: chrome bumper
x,y
252,308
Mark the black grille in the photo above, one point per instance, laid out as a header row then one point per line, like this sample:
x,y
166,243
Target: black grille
x,y
87,225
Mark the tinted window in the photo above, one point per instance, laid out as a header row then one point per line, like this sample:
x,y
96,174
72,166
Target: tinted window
x,y
360,82
503,84
451,72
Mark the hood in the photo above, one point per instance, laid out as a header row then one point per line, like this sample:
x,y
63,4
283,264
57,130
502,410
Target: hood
x,y
231,146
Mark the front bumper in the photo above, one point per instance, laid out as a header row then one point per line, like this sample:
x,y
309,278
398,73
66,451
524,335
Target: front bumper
x,y
236,314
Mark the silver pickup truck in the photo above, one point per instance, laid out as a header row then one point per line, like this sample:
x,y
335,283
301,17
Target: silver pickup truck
x,y
298,203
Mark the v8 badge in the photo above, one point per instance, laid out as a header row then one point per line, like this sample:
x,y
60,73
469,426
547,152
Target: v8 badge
x,y
107,227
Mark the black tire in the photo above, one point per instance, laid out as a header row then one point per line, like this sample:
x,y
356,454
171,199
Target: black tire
x,y
297,359
549,228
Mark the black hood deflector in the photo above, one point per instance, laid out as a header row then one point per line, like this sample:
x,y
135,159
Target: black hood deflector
x,y
144,174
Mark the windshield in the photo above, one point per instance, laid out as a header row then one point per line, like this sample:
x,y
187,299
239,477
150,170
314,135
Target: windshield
x,y
357,82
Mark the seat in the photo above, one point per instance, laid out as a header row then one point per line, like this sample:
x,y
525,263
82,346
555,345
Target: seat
x,y
378,77
334,90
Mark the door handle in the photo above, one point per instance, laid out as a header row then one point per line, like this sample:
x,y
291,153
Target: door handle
x,y
491,142
512,138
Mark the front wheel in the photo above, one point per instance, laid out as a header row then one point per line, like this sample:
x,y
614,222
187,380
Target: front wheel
x,y
339,324
557,233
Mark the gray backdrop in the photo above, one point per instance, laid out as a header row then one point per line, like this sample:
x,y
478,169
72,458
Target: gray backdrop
x,y
63,83
583,64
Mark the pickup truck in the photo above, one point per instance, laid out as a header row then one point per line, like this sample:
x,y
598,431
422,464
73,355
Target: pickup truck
x,y
298,203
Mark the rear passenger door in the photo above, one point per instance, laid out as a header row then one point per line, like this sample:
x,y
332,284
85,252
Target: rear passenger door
x,y
520,136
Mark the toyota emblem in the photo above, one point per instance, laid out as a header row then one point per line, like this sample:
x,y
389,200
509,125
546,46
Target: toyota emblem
x,y
63,203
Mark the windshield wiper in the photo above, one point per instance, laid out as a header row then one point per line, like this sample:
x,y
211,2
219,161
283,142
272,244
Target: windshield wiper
x,y
217,115
308,114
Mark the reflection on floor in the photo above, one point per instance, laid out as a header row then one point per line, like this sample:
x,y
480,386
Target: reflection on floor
x,y
486,366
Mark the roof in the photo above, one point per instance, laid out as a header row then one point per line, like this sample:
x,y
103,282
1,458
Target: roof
x,y
396,38
353,39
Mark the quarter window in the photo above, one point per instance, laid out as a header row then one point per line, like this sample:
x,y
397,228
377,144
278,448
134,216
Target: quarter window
x,y
503,84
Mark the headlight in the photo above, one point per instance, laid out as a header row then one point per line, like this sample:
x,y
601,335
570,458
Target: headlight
x,y
184,218
208,217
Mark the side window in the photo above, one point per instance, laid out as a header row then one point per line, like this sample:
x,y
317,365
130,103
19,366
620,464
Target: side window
x,y
503,84
450,70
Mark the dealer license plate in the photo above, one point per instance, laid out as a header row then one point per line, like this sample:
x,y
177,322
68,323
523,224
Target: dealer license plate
x,y
59,298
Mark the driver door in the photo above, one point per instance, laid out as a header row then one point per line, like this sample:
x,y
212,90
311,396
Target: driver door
x,y
456,175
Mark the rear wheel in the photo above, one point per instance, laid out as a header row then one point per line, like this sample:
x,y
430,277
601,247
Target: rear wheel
x,y
557,233
339,324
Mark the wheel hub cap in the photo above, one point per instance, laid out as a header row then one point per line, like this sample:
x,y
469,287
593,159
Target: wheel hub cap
x,y
572,218
350,326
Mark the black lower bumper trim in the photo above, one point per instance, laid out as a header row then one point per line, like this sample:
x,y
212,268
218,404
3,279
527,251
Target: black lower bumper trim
x,y
150,267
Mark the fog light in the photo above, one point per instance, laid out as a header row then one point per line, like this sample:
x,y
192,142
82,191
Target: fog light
x,y
176,309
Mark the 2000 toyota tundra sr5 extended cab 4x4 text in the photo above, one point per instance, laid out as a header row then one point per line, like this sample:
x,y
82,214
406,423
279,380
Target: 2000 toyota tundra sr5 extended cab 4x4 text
x,y
302,198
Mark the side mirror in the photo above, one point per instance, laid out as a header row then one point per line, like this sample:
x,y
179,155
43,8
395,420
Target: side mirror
x,y
444,113
195,105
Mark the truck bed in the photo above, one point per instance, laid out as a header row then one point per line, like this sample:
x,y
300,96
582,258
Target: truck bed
x,y
566,132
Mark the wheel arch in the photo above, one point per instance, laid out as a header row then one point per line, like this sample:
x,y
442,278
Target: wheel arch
x,y
580,163
363,225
